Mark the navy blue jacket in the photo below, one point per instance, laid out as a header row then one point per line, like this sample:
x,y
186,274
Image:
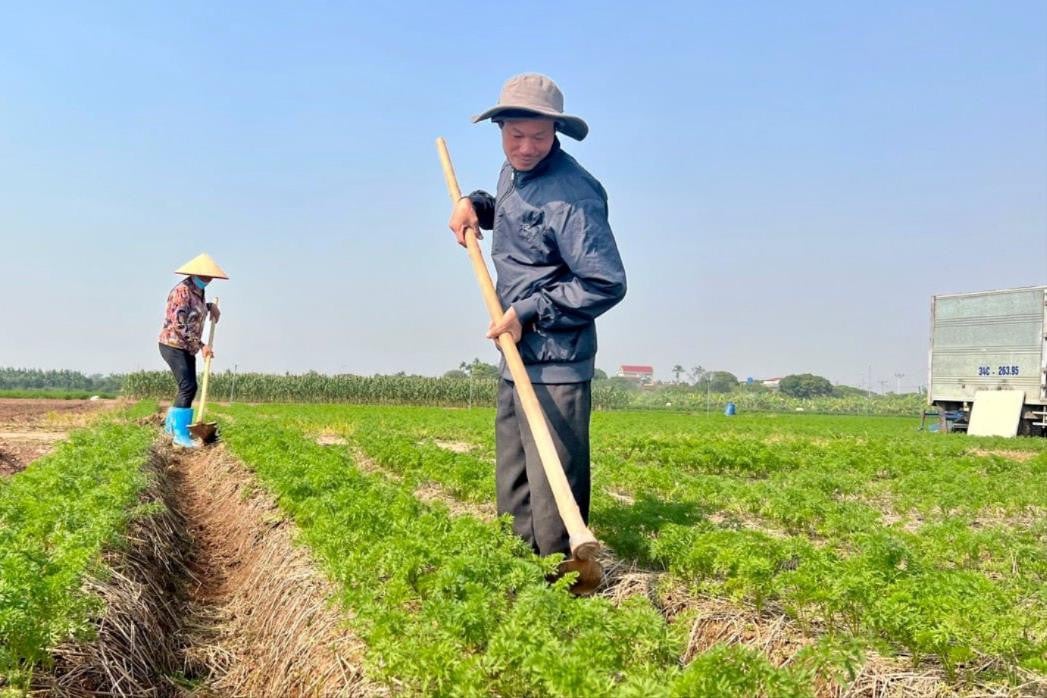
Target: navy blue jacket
x,y
557,262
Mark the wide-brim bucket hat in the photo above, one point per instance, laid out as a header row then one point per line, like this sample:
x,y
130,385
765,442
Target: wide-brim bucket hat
x,y
535,94
202,265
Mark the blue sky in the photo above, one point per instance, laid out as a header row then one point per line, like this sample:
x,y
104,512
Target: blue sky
x,y
789,184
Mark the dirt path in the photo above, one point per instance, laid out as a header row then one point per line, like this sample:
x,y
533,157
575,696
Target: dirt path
x,y
16,454
211,597
30,429
260,622
32,411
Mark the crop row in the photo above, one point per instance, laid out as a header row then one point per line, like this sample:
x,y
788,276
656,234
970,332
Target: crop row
x,y
55,519
693,400
885,534
473,599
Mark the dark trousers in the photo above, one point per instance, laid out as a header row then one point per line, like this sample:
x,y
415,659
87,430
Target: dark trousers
x,y
520,483
183,366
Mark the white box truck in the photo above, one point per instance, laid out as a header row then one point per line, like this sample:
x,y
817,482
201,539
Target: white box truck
x,y
989,341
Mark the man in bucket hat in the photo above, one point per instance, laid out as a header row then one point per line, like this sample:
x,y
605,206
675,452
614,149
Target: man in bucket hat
x,y
558,269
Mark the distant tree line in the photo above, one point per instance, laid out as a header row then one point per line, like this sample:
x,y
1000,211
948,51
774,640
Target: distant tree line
x,y
36,379
805,385
801,385
478,369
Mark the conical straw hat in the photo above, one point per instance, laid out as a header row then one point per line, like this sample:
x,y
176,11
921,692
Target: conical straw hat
x,y
202,265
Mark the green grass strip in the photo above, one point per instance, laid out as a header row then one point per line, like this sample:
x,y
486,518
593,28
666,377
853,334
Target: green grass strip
x,y
456,606
55,518
828,553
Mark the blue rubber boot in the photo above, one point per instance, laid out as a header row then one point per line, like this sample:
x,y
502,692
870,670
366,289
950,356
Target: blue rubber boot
x,y
180,419
168,423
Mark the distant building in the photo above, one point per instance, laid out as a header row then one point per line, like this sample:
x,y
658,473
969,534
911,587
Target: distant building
x,y
641,374
772,383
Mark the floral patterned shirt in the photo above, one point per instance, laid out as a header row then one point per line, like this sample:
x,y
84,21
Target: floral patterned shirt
x,y
184,319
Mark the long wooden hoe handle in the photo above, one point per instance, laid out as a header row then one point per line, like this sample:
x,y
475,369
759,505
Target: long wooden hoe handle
x,y
584,545
207,369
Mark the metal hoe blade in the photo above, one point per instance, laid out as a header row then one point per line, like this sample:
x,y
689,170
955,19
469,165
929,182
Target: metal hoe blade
x,y
590,574
205,431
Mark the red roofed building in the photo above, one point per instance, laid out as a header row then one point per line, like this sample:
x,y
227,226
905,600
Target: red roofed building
x,y
643,374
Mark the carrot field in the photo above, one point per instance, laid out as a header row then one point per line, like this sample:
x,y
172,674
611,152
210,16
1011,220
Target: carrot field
x,y
760,554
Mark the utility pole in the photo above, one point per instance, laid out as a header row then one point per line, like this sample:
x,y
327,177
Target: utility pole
x,y
898,386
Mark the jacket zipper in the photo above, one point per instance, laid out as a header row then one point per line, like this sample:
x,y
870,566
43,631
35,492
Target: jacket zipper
x,y
510,190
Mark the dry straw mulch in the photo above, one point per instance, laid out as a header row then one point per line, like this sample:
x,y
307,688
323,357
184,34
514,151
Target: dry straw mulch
x,y
210,597
141,610
268,625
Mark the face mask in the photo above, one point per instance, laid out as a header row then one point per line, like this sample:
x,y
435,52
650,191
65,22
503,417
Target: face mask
x,y
200,283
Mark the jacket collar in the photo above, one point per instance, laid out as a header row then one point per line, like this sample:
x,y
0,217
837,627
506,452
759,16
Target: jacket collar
x,y
192,287
543,166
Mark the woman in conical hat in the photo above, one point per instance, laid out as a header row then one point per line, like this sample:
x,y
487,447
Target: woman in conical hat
x,y
181,338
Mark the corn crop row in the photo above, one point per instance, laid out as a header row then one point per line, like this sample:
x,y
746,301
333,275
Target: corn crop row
x,y
347,388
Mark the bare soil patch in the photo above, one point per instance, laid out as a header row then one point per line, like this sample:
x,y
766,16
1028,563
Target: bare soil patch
x,y
1020,456
16,455
453,446
327,439
431,493
30,429
621,497
32,413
